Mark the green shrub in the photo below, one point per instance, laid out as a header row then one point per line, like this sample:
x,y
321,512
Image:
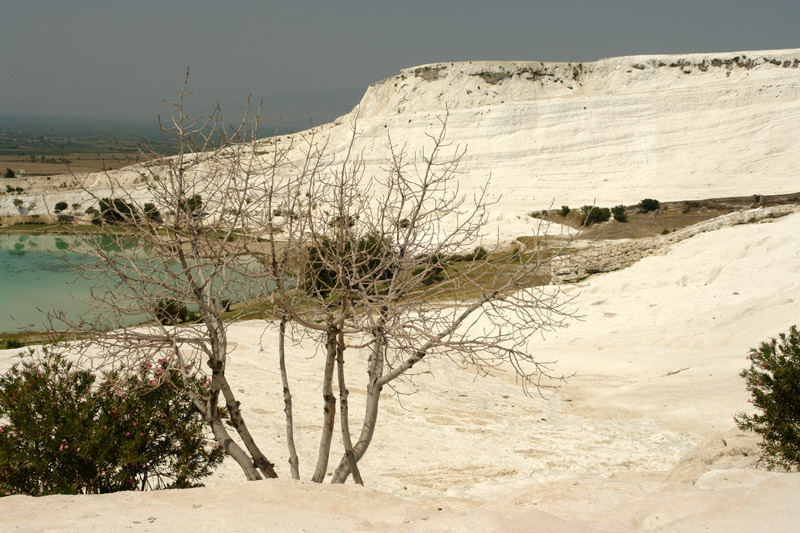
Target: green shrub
x,y
360,258
170,312
665,231
18,203
649,204
151,212
13,343
59,207
591,214
479,254
435,270
10,173
192,205
756,198
773,380
619,213
565,210
117,211
65,432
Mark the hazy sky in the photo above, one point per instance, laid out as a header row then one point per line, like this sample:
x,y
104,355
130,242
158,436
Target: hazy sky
x,y
122,59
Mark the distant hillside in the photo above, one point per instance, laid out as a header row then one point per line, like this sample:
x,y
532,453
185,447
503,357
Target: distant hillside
x,y
678,127
616,130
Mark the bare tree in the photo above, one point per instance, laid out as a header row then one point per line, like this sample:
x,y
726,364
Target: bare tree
x,y
173,255
394,262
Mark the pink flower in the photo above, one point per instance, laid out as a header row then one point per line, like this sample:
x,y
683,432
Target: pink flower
x,y
127,433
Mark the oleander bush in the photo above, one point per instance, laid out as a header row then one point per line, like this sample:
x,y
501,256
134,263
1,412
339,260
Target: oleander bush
x,y
773,380
66,431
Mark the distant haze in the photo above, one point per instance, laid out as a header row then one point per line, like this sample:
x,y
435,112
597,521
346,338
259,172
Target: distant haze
x,y
310,61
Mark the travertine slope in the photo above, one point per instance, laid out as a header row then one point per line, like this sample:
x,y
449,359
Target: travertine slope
x,y
616,130
613,131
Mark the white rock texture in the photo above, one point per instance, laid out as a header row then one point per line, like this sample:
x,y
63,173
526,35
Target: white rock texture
x,y
614,131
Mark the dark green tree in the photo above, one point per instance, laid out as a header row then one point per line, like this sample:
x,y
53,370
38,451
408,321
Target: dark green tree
x,y
649,204
192,204
117,211
591,214
619,212
170,312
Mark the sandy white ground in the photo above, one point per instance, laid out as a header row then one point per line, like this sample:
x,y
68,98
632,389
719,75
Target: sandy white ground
x,y
641,438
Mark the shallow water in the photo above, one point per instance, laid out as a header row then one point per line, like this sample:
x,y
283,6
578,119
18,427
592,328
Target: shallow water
x,y
36,276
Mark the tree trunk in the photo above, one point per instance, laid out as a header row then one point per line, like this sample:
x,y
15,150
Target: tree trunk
x,y
294,462
344,413
371,413
220,384
329,408
223,438
236,418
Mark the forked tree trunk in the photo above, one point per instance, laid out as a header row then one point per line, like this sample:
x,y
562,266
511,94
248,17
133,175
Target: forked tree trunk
x,y
294,462
219,383
374,388
235,415
344,412
329,408
223,438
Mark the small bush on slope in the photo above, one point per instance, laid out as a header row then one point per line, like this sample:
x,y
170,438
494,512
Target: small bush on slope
x,y
591,214
65,433
619,213
649,204
774,382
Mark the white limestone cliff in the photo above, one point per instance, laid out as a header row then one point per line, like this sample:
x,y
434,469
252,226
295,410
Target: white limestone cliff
x,y
613,131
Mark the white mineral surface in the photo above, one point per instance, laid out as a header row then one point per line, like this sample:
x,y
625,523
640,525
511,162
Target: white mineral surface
x,y
641,437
